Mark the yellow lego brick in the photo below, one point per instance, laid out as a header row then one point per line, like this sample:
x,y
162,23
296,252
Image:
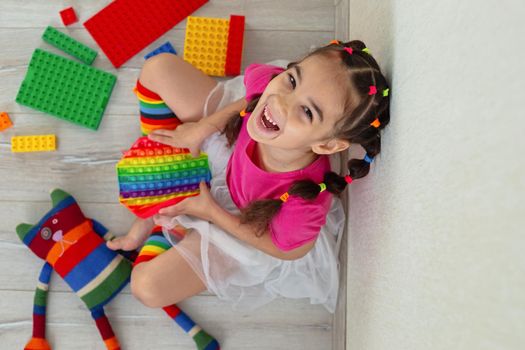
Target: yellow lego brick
x,y
206,43
33,143
5,122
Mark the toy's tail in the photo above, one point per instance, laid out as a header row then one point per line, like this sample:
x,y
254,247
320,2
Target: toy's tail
x,y
38,341
156,245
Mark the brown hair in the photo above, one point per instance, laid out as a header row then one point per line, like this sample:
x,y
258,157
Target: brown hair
x,y
361,109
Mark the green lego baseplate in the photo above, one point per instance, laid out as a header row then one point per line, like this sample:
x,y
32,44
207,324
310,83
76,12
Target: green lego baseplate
x,y
69,45
66,89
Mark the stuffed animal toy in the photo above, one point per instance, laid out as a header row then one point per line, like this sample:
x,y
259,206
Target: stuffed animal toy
x,y
74,246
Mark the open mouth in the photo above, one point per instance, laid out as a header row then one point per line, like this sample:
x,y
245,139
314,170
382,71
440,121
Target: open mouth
x,y
267,120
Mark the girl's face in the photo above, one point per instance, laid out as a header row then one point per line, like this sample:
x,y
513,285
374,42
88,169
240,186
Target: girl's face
x,y
299,107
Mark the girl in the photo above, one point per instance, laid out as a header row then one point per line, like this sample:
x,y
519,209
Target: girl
x,y
268,225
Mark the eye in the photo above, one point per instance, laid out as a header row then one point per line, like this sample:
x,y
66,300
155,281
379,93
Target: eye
x,y
45,233
308,112
291,79
54,221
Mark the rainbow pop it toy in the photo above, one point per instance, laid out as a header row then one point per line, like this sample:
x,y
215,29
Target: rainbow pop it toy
x,y
152,176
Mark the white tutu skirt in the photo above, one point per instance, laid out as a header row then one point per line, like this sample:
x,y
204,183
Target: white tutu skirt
x,y
240,274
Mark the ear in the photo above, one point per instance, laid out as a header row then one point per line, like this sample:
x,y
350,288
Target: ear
x,y
57,196
332,146
22,230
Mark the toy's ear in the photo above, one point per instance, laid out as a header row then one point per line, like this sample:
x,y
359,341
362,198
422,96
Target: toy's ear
x,y
57,196
22,230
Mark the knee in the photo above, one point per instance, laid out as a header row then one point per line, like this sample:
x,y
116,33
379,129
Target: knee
x,y
157,65
143,287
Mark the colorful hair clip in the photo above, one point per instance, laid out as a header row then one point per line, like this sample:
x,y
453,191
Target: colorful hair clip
x,y
323,186
242,113
284,196
385,92
349,50
366,50
368,159
337,42
373,90
348,179
375,123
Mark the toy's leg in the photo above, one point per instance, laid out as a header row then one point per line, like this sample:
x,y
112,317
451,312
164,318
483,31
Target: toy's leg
x,y
155,245
154,113
38,341
104,327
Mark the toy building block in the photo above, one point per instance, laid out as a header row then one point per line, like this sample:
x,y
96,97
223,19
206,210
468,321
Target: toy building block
x,y
125,27
68,16
5,122
167,47
152,176
66,89
205,44
69,45
33,143
234,50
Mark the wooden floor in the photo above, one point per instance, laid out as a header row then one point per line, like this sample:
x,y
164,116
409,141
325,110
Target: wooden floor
x,y
84,165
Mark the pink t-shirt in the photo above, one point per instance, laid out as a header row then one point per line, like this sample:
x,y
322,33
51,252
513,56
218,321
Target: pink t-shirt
x,y
298,221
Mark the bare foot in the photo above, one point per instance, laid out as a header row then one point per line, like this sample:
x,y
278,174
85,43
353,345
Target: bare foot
x,y
136,236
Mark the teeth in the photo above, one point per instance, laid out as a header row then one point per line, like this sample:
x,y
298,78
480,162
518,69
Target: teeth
x,y
267,116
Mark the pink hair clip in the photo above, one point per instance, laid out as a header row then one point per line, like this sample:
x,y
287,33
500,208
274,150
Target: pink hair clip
x,y
373,90
348,179
349,50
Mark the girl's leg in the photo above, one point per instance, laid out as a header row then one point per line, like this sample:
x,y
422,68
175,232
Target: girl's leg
x,y
161,276
181,86
146,285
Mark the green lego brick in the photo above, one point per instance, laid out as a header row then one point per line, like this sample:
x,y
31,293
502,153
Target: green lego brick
x,y
66,89
69,45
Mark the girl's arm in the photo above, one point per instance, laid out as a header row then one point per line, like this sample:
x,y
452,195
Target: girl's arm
x,y
232,224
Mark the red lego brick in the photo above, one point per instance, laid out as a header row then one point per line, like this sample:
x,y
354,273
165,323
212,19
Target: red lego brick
x,y
235,42
68,16
125,27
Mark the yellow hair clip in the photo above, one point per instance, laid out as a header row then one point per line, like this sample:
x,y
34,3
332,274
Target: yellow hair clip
x,y
323,186
284,197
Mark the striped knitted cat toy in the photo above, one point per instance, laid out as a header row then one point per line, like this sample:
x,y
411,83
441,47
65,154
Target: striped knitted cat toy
x,y
74,246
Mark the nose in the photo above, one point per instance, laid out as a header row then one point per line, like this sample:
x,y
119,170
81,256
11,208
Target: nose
x,y
279,105
57,236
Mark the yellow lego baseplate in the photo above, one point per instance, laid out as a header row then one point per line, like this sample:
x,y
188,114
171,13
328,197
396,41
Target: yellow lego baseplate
x,y
33,143
206,43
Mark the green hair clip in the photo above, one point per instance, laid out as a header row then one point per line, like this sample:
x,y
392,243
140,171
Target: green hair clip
x,y
385,92
366,50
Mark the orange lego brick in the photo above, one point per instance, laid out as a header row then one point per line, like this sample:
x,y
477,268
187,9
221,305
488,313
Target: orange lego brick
x,y
33,143
5,122
206,43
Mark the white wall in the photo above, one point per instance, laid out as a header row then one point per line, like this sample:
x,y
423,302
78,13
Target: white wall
x,y
436,230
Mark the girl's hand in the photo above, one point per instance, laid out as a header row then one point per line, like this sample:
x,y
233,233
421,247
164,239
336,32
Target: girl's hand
x,y
187,135
200,206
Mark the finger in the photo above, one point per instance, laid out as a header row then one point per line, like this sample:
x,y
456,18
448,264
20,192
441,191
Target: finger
x,y
161,132
162,139
195,153
203,187
172,210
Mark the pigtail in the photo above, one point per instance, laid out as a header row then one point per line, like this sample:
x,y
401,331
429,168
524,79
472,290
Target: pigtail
x,y
234,124
259,213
